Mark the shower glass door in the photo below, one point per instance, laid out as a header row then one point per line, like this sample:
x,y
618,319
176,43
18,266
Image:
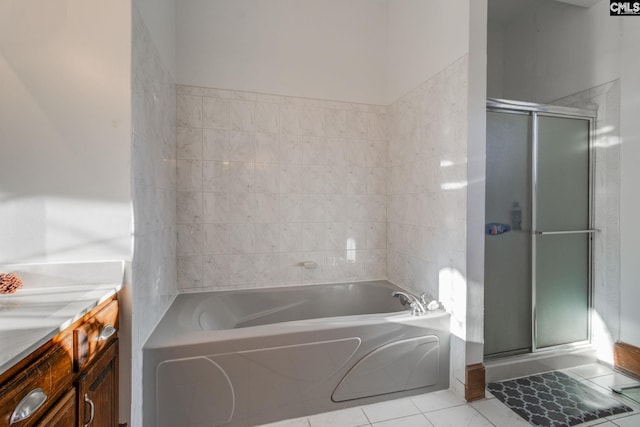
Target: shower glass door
x,y
561,240
508,255
538,235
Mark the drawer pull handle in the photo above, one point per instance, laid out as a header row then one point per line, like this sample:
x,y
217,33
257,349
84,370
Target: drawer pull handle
x,y
106,332
91,409
28,405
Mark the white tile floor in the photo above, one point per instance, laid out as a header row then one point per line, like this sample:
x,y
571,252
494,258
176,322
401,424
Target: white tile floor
x,y
443,408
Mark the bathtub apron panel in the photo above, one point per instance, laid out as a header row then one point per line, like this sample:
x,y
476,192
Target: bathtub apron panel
x,y
398,366
194,392
240,385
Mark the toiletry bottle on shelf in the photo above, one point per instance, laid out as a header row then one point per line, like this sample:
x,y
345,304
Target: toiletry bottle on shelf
x,y
516,216
495,228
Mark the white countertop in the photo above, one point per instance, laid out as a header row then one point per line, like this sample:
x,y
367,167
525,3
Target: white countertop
x,y
53,297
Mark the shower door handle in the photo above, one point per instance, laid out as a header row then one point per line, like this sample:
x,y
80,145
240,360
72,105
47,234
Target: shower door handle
x,y
547,233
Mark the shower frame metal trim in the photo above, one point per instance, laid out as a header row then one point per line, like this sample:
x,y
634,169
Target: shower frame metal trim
x,y
522,107
546,110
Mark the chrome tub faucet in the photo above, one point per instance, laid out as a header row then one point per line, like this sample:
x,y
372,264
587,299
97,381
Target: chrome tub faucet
x,y
418,305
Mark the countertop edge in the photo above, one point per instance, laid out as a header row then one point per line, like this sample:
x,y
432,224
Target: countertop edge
x,y
48,334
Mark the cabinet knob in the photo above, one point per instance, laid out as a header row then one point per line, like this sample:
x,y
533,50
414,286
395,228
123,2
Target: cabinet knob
x,y
106,332
91,409
28,405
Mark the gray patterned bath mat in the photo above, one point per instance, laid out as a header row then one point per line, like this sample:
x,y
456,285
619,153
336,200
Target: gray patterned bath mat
x,y
554,399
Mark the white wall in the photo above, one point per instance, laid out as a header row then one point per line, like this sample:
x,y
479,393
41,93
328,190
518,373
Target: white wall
x,y
558,49
159,17
423,39
325,49
64,130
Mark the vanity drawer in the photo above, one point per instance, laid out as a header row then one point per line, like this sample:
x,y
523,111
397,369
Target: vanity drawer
x,y
94,335
63,413
38,386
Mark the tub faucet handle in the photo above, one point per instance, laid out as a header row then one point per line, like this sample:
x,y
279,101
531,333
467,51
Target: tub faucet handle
x,y
417,309
424,299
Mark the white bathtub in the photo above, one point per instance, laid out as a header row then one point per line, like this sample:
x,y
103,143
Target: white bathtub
x,y
242,358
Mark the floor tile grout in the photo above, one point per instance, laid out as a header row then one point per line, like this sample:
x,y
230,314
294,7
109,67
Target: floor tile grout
x,y
366,416
481,414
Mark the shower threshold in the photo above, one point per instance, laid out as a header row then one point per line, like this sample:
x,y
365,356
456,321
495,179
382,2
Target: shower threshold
x,y
568,356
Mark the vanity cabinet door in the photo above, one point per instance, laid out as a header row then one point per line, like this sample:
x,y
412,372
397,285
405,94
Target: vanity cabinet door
x,y
98,391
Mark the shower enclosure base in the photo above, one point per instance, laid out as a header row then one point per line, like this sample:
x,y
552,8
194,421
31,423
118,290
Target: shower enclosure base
x,y
534,363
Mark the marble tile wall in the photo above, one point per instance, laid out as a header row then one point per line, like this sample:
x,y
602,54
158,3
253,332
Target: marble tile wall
x,y
427,172
154,197
267,182
605,100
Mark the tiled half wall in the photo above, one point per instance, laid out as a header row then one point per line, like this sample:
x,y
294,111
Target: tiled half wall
x,y
268,182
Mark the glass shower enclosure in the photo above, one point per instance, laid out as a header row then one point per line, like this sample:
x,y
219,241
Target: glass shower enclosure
x,y
539,230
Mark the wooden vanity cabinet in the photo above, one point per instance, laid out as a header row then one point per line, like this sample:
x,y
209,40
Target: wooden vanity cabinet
x,y
98,390
70,381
